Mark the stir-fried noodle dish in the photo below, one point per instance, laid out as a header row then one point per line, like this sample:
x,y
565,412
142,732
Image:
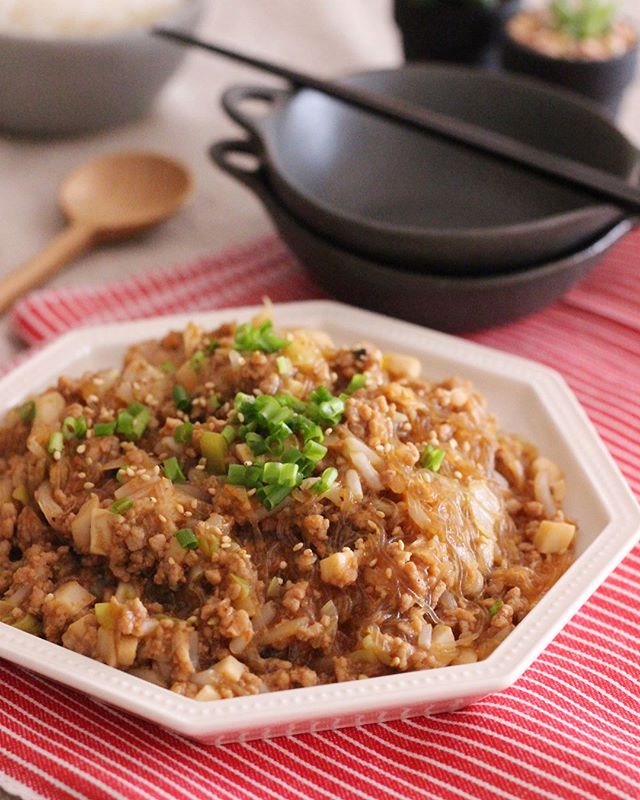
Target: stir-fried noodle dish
x,y
244,510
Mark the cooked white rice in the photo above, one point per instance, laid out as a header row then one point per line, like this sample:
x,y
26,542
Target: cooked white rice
x,y
53,18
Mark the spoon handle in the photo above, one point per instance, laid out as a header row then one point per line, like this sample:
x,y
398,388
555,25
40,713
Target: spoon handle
x,y
65,246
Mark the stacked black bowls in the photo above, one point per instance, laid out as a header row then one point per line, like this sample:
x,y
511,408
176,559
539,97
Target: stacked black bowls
x,y
425,229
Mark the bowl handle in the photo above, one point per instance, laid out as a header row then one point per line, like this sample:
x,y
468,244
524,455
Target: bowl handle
x,y
234,97
253,179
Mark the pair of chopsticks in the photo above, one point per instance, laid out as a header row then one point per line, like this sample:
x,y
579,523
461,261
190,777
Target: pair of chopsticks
x,y
601,184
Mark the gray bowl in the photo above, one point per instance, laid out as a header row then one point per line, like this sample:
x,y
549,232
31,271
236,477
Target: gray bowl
x,y
58,86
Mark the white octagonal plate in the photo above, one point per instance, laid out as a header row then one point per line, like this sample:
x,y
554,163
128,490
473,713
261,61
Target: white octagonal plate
x,y
526,397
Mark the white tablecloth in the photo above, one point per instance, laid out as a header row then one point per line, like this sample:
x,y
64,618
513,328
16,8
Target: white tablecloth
x,y
328,36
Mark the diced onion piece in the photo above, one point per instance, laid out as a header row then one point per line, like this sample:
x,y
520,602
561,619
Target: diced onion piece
x,y
367,471
73,596
554,537
206,694
136,488
401,366
106,647
424,638
339,569
230,669
191,337
49,408
81,525
353,484
101,532
465,656
126,591
52,511
126,648
443,644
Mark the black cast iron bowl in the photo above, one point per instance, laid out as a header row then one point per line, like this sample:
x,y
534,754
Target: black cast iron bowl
x,y
402,197
450,304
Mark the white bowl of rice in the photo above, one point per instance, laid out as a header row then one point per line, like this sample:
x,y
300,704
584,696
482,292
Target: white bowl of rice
x,y
68,66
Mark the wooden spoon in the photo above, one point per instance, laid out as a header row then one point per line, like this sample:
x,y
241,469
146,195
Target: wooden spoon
x,y
111,198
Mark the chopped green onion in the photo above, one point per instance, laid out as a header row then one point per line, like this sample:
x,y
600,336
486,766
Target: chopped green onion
x,y
74,428
21,495
357,382
327,479
243,402
122,474
249,337
212,346
168,366
183,433
68,428
197,361
135,408
214,402
288,475
272,496
30,624
181,398
256,443
104,428
292,402
214,448
309,430
172,470
187,539
56,442
267,407
292,456
320,394
240,475
493,609
228,434
271,471
331,410
284,365
314,451
81,427
140,422
124,424
243,583
121,506
27,411
432,458
275,442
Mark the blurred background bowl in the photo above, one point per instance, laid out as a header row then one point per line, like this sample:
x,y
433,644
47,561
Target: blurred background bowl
x,y
70,84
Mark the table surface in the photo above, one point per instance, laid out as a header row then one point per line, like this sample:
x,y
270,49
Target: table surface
x,y
328,36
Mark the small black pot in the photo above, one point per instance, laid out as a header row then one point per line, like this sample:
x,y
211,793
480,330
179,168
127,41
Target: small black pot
x,y
439,31
602,81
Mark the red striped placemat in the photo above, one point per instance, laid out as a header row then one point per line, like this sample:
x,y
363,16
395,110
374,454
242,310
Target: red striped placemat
x,y
569,729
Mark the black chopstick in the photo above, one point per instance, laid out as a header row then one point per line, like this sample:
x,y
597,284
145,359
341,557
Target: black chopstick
x,y
600,183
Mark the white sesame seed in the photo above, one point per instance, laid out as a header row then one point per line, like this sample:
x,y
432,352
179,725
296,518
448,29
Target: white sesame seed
x,y
283,565
388,572
81,448
88,485
298,546
457,474
57,455
82,475
162,518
